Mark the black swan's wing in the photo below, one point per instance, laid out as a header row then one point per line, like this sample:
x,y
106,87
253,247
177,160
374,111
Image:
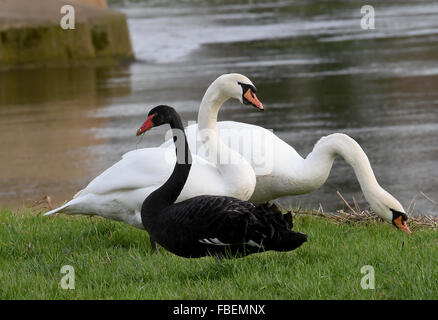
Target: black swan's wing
x,y
216,221
225,219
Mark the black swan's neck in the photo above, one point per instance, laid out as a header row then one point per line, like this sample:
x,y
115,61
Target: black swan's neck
x,y
171,189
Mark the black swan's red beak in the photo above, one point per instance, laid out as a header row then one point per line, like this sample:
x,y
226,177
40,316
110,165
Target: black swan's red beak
x,y
146,125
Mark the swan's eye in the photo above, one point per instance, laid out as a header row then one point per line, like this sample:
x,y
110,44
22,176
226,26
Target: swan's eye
x,y
246,86
396,214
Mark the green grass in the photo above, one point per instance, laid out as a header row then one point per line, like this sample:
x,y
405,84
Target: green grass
x,y
114,261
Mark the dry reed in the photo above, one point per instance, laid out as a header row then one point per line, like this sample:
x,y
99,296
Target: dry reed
x,y
354,214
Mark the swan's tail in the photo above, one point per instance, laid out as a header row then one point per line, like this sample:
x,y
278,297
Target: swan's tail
x,y
290,241
56,210
78,193
72,207
276,228
64,208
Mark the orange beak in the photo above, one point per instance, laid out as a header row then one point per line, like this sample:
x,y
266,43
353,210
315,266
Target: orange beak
x,y
402,225
252,98
146,125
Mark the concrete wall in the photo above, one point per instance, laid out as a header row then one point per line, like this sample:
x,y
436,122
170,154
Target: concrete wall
x,y
30,34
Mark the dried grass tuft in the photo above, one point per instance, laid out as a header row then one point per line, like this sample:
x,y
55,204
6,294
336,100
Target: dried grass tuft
x,y
355,214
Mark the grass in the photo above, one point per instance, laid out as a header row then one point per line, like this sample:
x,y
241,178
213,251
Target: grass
x,y
114,261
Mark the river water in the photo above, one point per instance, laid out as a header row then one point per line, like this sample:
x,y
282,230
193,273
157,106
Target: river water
x,y
316,70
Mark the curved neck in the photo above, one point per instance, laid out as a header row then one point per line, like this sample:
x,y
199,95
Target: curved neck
x,y
236,171
315,169
171,189
213,99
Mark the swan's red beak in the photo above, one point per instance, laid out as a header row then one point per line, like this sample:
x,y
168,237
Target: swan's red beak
x,y
251,97
146,125
402,225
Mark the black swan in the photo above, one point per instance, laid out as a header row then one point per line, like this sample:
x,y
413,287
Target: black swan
x,y
209,225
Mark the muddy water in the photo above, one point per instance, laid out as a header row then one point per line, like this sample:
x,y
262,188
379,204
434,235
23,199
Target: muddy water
x,y
316,70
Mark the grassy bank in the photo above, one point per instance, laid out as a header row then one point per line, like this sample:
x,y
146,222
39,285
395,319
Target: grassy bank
x,y
113,261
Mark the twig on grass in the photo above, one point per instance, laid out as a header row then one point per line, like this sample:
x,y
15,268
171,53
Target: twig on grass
x,y
46,201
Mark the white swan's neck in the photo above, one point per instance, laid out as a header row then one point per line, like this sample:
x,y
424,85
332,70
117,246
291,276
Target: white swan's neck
x,y
321,159
235,169
208,111
315,169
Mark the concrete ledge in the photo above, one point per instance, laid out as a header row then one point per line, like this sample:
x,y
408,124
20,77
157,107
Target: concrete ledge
x,y
99,3
30,34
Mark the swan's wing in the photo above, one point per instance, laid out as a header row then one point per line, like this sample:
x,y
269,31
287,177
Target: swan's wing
x,y
211,217
228,130
144,168
137,152
193,139
137,169
259,146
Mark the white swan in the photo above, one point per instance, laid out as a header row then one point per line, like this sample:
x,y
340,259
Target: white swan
x,y
119,191
281,171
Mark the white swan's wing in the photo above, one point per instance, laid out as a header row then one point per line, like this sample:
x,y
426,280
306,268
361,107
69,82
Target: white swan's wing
x,y
137,169
149,167
112,172
259,146
125,185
